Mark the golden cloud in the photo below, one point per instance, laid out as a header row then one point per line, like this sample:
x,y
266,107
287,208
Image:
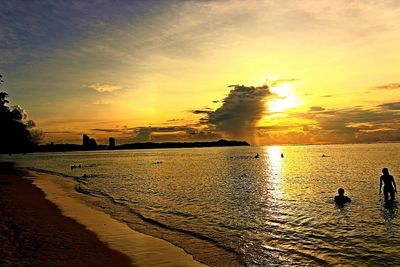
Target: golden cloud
x,y
103,87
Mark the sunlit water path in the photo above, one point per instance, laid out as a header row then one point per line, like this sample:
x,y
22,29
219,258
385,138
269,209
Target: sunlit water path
x,y
270,210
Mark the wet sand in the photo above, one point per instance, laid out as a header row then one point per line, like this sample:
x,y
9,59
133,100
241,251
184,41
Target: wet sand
x,y
44,225
33,232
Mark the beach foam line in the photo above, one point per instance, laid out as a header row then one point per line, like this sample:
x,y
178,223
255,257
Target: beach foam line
x,y
144,250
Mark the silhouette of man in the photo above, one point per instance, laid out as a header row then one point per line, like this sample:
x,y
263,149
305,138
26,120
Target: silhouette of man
x,y
389,187
341,198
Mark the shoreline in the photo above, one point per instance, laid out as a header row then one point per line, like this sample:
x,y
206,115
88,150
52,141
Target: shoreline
x,y
203,251
33,232
200,251
126,246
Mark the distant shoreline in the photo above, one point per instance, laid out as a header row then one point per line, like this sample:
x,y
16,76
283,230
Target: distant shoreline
x,y
166,145
147,145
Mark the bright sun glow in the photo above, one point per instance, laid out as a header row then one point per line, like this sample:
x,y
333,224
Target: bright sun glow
x,y
285,98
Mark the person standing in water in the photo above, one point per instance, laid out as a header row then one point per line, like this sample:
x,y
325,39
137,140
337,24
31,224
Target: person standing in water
x,y
341,199
389,187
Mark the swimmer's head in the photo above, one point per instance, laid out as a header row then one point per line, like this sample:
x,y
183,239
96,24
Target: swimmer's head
x,y
341,191
385,171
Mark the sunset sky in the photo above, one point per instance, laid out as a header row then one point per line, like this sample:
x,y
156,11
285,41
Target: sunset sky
x,y
269,72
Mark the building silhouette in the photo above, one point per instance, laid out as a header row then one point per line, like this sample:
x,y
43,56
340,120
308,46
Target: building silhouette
x,y
85,140
111,143
88,142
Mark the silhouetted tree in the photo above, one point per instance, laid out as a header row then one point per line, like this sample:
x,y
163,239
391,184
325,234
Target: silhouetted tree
x,y
14,134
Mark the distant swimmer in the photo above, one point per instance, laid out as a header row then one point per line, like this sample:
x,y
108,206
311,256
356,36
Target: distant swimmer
x,y
257,156
323,155
281,155
389,187
341,198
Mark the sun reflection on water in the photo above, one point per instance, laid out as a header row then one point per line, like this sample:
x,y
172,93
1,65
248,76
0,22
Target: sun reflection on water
x,y
274,168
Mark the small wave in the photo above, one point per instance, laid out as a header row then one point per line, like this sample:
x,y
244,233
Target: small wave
x,y
52,172
80,179
78,188
155,222
182,214
90,165
184,231
317,260
242,157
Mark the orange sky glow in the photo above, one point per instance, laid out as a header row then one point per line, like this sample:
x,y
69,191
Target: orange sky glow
x,y
268,72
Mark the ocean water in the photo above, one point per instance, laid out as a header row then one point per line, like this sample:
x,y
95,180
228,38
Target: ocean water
x,y
227,207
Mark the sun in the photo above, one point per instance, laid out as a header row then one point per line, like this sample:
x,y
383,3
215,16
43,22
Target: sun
x,y
285,98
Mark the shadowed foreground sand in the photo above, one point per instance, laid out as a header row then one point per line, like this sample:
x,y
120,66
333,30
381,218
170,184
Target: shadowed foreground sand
x,y
65,232
34,233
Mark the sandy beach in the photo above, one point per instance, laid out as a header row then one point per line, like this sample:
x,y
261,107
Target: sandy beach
x,y
41,224
35,233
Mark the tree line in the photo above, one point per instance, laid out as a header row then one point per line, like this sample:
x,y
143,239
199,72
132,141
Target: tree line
x,y
15,136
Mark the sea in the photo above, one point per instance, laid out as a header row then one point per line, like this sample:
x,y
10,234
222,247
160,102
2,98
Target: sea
x,y
227,207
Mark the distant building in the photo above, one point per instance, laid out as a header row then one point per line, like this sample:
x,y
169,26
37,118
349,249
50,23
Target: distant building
x,y
111,143
85,140
88,142
92,142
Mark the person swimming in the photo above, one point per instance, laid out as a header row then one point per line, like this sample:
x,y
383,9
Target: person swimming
x,y
341,198
257,156
389,187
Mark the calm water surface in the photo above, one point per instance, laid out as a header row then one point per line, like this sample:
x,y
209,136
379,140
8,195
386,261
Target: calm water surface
x,y
268,211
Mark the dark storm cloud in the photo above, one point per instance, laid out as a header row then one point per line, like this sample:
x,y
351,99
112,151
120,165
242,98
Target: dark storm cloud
x,y
391,106
389,86
240,111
